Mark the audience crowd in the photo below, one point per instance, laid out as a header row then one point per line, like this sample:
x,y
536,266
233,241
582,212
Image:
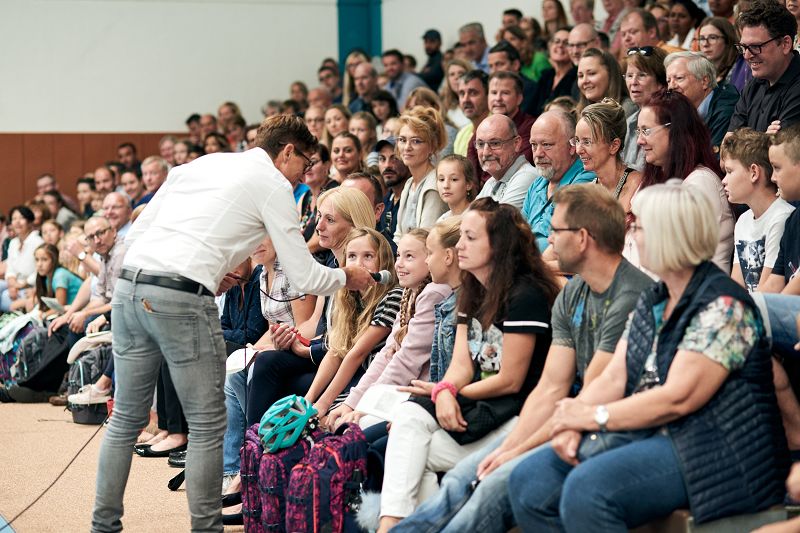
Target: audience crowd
x,y
591,236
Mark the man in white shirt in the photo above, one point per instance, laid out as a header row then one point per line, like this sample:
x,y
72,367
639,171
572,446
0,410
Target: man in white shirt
x,y
499,147
208,216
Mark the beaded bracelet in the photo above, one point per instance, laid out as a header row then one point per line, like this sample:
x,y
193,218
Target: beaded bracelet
x,y
443,385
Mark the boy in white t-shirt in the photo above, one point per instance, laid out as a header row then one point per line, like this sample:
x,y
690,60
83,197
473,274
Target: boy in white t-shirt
x,y
748,180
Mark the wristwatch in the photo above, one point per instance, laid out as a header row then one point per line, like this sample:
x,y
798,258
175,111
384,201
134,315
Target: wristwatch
x,y
82,256
601,417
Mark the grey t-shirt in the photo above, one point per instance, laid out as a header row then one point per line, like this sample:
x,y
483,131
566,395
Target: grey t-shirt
x,y
587,322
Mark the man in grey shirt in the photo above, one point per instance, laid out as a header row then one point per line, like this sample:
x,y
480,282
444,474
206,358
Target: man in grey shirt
x,y
588,318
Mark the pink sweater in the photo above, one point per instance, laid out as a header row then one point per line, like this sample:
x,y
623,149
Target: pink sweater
x,y
412,360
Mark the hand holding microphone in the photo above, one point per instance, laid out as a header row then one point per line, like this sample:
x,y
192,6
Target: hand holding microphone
x,y
359,278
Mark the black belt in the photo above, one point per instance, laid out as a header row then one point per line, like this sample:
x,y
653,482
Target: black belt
x,y
179,283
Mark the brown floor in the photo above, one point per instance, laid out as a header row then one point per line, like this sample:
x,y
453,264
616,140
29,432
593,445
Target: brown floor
x,y
36,443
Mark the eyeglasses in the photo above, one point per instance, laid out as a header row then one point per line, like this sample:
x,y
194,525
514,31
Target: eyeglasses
x,y
556,230
97,234
754,49
493,144
583,44
575,142
645,51
308,160
559,42
413,141
647,132
711,39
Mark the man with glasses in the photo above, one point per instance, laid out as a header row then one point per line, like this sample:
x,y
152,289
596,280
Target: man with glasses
x,y
639,29
588,319
498,147
505,98
771,100
558,166
94,296
203,222
582,37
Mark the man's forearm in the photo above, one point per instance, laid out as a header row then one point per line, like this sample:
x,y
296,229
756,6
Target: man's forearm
x,y
97,307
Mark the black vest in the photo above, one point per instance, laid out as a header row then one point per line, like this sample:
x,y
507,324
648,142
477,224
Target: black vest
x,y
733,449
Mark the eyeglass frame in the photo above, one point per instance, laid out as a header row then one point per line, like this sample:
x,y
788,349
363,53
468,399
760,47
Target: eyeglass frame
x,y
710,38
97,234
556,230
308,162
742,48
575,142
647,132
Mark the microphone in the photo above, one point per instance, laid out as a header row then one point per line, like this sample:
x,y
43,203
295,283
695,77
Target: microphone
x,y
384,277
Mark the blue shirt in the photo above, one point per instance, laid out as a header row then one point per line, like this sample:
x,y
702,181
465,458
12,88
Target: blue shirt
x,y
538,208
64,279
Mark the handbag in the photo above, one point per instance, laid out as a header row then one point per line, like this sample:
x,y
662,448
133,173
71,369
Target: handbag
x,y
595,443
482,416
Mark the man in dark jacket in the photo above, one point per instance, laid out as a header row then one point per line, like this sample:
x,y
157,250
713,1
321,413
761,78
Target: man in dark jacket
x,y
694,76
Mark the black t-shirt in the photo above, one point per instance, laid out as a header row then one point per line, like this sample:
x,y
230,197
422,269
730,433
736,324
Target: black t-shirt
x,y
526,311
789,256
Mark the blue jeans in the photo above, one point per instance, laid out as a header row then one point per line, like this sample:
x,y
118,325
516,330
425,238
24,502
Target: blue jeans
x,y
235,404
457,508
150,323
617,490
779,312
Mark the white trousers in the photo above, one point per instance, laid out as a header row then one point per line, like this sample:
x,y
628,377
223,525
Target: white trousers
x,y
418,448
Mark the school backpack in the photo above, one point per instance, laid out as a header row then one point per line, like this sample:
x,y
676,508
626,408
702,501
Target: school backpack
x,y
265,479
8,359
325,487
32,357
86,370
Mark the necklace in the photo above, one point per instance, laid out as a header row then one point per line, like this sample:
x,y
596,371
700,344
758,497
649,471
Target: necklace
x,y
621,183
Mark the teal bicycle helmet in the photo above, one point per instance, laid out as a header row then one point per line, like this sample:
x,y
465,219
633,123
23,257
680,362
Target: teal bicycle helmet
x,y
284,422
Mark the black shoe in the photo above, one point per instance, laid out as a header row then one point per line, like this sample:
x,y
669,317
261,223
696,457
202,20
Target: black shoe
x,y
148,452
232,519
5,397
177,459
140,446
229,500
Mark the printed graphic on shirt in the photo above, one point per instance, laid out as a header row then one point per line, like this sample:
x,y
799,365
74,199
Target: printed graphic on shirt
x,y
751,260
486,347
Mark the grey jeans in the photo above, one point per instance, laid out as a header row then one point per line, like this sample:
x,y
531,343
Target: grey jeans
x,y
150,323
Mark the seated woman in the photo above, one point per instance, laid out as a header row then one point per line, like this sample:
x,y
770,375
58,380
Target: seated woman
x,y
645,75
502,340
290,367
665,124
421,137
346,155
20,265
361,322
687,398
599,142
599,77
406,356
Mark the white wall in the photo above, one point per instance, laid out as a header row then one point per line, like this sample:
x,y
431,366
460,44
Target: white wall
x,y
145,65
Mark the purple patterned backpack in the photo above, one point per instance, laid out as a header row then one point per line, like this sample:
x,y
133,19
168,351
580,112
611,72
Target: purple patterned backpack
x,y
325,487
265,480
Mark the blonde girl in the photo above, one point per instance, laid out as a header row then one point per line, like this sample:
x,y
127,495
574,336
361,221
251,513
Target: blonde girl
x,y
361,321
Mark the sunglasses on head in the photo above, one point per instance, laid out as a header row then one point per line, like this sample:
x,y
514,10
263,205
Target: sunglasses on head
x,y
646,51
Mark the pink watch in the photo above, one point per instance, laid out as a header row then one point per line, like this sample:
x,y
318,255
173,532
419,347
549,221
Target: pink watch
x,y
443,385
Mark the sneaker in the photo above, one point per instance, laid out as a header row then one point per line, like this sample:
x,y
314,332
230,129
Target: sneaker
x,y
88,395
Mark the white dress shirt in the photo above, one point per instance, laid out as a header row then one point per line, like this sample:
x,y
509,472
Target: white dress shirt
x,y
212,213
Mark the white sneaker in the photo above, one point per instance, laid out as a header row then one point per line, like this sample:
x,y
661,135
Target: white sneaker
x,y
88,395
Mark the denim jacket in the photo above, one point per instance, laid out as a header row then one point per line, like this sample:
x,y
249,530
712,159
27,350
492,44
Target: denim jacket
x,y
444,336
